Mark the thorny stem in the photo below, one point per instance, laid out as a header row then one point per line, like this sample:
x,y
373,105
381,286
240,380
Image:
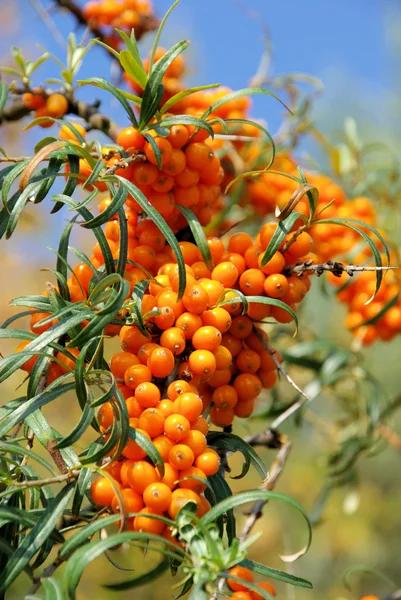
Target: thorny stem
x,y
337,268
276,470
125,162
29,483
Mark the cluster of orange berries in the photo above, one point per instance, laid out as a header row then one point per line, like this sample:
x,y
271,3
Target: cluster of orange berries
x,y
121,14
53,105
241,591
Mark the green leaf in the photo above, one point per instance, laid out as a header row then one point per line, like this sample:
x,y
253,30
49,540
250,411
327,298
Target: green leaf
x,y
105,85
283,228
118,201
182,120
3,94
149,448
222,491
240,94
139,580
198,234
263,300
28,407
369,570
183,94
8,176
86,554
276,574
36,537
252,496
358,227
163,227
133,49
154,88
52,589
134,70
79,429
14,448
234,443
158,35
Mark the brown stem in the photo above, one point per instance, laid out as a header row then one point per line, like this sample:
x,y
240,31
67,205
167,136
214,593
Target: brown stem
x,y
334,267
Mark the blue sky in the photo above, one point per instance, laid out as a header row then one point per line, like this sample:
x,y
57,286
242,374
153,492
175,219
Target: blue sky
x,y
345,43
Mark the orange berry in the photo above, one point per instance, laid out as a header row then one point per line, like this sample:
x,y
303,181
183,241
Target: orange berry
x,y
200,425
102,491
223,358
189,323
176,427
216,247
133,407
199,155
140,475
137,374
56,105
163,445
187,178
130,138
178,387
248,361
152,421
225,396
252,282
170,475
207,338
178,136
114,468
202,362
226,273
281,315
248,386
188,481
208,462
121,361
132,501
157,496
166,407
244,409
179,498
105,415
165,149
232,343
239,242
241,327
148,524
276,286
33,101
195,440
173,338
275,265
301,246
181,457
161,362
264,585
222,417
241,573
166,318
196,299
217,317
189,405
132,339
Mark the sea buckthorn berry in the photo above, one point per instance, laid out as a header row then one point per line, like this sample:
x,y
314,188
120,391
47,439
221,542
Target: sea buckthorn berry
x,y
145,351
130,138
225,396
195,440
200,270
241,573
226,273
220,377
188,323
252,256
176,427
102,491
189,405
223,358
217,317
187,178
258,311
268,378
152,421
148,524
222,417
171,475
301,246
184,372
133,450
157,496
234,304
241,327
166,317
33,101
105,415
140,475
173,338
178,136
181,457
163,445
236,259
190,252
179,498
132,339
126,464
66,133
165,149
257,339
84,274
296,291
275,265
239,242
137,374
202,362
178,387
145,174
248,361
207,338
133,407
35,321
170,298
199,155
121,361
161,362
215,289
56,105
281,315
216,247
114,468
188,481
244,409
248,386
267,587
200,425
166,407
242,596
208,462
132,501
196,299
276,286
251,282
232,343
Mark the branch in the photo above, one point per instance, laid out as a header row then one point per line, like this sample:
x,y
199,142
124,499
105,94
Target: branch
x,y
29,483
88,112
276,470
336,268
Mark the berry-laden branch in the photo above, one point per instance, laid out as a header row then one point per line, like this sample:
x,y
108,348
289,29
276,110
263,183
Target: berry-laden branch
x,y
88,112
276,470
146,22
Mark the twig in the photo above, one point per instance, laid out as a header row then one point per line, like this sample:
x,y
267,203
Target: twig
x,y
88,112
125,162
335,267
28,483
276,470
14,159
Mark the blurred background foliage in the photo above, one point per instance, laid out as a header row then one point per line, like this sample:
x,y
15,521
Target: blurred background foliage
x,y
354,49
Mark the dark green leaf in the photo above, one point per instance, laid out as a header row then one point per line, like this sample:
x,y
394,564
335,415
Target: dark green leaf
x,y
283,228
139,580
276,574
199,235
234,443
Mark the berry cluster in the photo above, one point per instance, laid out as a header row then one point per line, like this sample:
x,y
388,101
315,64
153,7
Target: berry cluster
x,y
53,105
121,14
